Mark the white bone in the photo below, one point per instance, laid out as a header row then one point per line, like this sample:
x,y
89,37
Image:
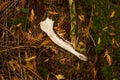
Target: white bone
x,y
47,27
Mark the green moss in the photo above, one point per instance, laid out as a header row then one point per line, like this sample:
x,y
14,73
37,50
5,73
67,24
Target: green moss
x,y
107,71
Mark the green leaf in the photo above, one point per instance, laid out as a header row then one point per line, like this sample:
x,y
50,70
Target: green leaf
x,y
24,10
107,70
99,40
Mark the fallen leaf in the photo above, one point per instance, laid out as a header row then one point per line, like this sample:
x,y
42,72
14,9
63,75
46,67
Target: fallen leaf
x,y
31,65
94,73
61,32
105,28
30,77
81,17
59,77
29,37
112,34
14,65
2,77
52,12
61,20
118,45
108,57
23,3
3,5
54,50
78,66
30,62
45,42
62,61
46,60
15,78
112,14
30,58
19,25
40,36
3,35
32,15
113,40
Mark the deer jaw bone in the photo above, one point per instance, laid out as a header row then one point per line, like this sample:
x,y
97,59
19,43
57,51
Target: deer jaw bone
x,y
47,27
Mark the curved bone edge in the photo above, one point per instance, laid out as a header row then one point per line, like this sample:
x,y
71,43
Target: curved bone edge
x,y
47,26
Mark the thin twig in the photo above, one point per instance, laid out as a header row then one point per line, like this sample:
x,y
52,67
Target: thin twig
x,y
17,47
5,28
39,77
92,40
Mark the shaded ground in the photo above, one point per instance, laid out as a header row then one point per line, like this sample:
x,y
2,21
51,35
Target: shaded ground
x,y
26,53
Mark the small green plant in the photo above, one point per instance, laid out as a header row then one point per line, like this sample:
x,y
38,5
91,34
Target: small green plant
x,y
73,23
23,20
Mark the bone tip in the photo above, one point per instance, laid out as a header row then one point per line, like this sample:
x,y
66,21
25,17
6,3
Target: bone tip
x,y
84,58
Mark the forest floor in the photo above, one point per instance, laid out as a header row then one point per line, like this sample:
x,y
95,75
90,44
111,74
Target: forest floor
x,y
27,53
